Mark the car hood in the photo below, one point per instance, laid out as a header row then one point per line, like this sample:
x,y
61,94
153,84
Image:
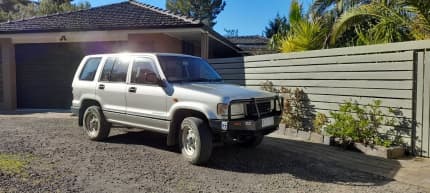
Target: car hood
x,y
227,91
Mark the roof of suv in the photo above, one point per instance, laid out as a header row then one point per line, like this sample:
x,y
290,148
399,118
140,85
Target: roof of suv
x,y
141,53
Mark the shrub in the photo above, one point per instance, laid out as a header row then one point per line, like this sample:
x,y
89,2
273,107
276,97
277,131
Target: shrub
x,y
294,115
297,111
319,122
358,123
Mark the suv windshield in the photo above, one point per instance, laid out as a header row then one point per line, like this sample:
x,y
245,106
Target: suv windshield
x,y
187,69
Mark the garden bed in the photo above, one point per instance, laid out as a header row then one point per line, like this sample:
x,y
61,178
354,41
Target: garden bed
x,y
304,135
381,151
377,151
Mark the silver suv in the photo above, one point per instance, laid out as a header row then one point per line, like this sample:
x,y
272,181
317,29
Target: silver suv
x,y
178,95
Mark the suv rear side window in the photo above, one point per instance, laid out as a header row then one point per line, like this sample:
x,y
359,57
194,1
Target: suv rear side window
x,y
90,68
115,69
107,69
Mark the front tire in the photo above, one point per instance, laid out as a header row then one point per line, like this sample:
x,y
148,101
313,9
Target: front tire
x,y
95,125
195,140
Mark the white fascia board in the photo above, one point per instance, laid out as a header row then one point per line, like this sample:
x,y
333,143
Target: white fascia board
x,y
85,36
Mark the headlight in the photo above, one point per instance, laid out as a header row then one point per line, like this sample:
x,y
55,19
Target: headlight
x,y
222,109
237,110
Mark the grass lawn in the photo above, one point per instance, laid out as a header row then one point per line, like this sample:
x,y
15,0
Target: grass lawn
x,y
13,163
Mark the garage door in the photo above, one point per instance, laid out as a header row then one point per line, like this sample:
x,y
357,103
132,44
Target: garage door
x,y
45,71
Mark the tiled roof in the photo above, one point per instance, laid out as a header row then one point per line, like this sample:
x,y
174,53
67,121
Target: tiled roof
x,y
252,45
124,15
253,40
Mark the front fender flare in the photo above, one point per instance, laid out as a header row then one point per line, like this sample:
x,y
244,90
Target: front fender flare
x,y
201,109
195,106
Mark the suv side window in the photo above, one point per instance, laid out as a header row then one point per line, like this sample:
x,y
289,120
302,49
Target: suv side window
x,y
120,69
90,69
107,70
143,71
115,70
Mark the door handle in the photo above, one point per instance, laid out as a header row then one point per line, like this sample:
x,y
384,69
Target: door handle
x,y
101,86
132,89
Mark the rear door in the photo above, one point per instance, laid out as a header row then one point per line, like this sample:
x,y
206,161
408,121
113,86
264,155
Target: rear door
x,y
112,87
146,99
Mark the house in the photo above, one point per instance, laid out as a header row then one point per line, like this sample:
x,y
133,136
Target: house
x,y
252,45
39,55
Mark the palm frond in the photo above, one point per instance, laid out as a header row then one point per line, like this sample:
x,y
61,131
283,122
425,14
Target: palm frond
x,y
420,14
319,7
305,35
296,12
388,18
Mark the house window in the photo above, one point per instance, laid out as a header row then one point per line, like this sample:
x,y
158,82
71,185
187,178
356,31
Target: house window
x,y
90,69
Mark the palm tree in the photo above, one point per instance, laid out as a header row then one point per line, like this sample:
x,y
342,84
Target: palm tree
x,y
420,26
386,21
281,35
335,7
305,33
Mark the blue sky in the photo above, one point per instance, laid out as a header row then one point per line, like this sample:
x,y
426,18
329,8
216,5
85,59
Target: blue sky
x,y
250,17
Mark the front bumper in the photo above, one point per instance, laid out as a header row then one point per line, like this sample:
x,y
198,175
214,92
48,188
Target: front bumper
x,y
245,125
256,118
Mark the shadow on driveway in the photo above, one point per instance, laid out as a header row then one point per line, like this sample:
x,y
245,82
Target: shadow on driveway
x,y
307,161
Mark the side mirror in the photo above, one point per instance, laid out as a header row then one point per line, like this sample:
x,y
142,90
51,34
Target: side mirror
x,y
153,79
162,83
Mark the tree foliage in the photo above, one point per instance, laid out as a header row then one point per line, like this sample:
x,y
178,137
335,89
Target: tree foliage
x,y
277,25
18,9
340,23
334,7
204,10
304,33
388,21
59,6
8,8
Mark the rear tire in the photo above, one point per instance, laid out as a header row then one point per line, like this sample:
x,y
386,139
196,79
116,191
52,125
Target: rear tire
x,y
95,125
251,141
195,140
